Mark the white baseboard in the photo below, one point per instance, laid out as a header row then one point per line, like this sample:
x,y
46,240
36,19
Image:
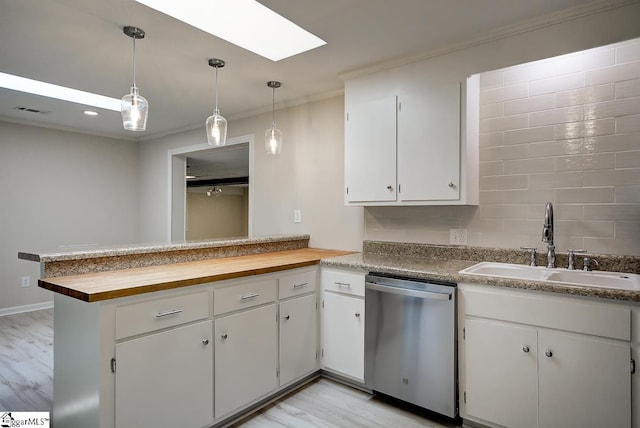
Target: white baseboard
x,y
26,308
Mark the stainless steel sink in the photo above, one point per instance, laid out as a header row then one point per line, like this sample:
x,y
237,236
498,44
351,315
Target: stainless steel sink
x,y
615,280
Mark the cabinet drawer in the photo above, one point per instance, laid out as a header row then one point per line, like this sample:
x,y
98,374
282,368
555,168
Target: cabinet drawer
x,y
297,283
244,296
143,317
343,281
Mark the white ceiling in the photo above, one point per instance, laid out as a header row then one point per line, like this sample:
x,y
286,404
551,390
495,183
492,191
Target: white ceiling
x,y
79,43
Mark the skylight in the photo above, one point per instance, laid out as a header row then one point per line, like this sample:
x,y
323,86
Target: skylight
x,y
245,23
22,84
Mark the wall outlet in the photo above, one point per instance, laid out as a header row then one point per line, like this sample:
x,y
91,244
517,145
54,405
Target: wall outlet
x,y
26,281
297,216
458,236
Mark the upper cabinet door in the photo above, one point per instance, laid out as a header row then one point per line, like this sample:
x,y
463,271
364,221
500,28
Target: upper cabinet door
x,y
429,145
370,151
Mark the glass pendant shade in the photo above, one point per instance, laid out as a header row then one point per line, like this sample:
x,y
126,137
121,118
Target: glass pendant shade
x,y
273,136
216,129
134,108
273,140
216,125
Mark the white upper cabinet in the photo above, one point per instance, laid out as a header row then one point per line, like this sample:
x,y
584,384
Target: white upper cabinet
x,y
371,153
411,138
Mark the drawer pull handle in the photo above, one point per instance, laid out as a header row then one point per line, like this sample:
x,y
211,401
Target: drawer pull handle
x,y
224,336
249,296
342,284
166,314
300,285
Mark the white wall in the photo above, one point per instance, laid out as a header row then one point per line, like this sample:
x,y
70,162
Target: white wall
x,y
214,217
307,175
60,188
511,219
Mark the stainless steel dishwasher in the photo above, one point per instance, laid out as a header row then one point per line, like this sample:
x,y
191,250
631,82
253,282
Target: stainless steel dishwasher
x,y
410,341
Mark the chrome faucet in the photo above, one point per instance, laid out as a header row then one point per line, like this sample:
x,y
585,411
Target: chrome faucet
x,y
547,235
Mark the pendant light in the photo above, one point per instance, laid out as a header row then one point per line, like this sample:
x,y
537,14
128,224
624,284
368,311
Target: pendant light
x,y
133,106
273,136
216,124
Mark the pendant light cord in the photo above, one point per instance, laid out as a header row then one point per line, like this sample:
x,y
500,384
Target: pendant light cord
x,y
216,88
134,61
273,107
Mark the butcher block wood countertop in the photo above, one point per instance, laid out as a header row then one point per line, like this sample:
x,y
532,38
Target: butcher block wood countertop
x,y
94,287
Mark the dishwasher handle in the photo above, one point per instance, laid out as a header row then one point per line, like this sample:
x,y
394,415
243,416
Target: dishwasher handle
x,y
408,292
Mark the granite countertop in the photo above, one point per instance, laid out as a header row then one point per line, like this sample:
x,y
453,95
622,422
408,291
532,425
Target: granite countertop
x,y
448,270
88,252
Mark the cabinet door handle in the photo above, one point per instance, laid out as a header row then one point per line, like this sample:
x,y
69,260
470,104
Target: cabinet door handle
x,y
205,342
525,349
224,336
342,284
548,353
167,313
357,314
287,317
249,296
300,285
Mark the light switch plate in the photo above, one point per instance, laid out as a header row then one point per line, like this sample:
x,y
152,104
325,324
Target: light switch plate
x,y
458,236
297,216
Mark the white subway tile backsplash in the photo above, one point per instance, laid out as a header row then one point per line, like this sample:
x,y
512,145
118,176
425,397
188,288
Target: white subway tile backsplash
x,y
628,159
556,84
628,124
526,105
529,166
504,182
587,128
560,115
628,194
562,212
623,107
490,139
585,162
491,79
585,95
529,196
488,197
503,212
555,180
504,94
504,123
628,88
504,153
614,143
624,212
616,177
557,148
616,73
594,229
491,168
491,110
586,195
529,135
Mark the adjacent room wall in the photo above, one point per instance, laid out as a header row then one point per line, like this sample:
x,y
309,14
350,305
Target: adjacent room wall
x,y
307,176
60,189
566,134
214,217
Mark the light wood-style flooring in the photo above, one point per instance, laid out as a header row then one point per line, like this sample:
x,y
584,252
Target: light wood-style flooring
x,y
26,384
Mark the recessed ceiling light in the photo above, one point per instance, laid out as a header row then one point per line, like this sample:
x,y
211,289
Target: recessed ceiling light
x,y
90,113
36,87
245,23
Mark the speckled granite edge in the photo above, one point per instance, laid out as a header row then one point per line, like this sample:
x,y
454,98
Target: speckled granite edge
x,y
607,262
444,269
78,263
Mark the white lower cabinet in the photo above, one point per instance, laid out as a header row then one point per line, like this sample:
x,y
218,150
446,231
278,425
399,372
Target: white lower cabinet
x,y
166,378
298,338
343,335
538,361
246,358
